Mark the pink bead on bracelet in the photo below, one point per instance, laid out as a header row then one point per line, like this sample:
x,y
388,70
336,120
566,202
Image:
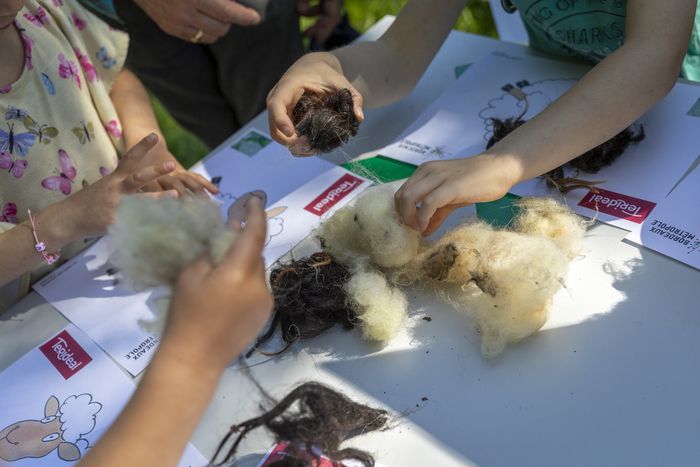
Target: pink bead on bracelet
x,y
40,248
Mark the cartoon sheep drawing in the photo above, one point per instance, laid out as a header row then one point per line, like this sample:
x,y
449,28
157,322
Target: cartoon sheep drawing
x,y
275,223
523,100
63,428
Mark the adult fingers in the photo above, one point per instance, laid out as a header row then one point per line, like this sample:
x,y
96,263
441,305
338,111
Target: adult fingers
x,y
304,8
247,249
210,26
230,12
134,156
138,178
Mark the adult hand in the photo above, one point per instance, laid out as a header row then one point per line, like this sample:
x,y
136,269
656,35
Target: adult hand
x,y
89,211
314,72
439,187
185,18
217,310
329,14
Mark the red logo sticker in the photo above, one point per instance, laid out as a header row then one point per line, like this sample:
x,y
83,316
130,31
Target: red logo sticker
x,y
65,354
333,194
618,205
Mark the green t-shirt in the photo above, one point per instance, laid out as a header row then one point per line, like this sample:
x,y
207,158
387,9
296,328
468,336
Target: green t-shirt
x,y
589,28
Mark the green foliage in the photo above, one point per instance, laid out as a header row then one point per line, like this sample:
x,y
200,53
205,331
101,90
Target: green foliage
x,y
475,18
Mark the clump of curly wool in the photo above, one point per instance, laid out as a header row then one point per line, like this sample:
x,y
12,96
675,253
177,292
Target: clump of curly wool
x,y
548,218
370,229
153,239
504,281
381,308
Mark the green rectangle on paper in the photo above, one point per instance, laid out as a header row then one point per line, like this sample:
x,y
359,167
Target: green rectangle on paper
x,y
499,213
461,69
251,143
381,169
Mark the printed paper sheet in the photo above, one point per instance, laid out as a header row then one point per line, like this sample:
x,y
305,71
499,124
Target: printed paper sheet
x,y
85,291
459,124
59,399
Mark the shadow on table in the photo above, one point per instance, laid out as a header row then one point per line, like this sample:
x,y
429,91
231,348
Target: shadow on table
x,y
621,387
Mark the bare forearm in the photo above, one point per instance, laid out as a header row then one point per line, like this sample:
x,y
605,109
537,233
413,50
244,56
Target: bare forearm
x,y
612,95
134,108
388,69
17,245
158,422
598,107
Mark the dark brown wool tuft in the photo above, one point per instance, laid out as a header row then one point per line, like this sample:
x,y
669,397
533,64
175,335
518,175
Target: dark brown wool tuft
x,y
590,162
327,121
313,415
309,298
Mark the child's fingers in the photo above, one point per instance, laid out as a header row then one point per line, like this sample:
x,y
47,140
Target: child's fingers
x,y
208,185
280,102
194,272
247,249
302,148
173,194
173,182
238,210
134,156
438,218
140,177
430,204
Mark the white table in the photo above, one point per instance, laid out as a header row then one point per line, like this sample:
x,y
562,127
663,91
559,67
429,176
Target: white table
x,y
612,380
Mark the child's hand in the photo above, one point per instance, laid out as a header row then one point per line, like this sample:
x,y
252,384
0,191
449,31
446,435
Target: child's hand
x,y
313,72
438,188
181,180
216,310
92,209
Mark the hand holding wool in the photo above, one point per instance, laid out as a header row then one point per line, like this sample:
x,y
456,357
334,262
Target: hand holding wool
x,y
218,307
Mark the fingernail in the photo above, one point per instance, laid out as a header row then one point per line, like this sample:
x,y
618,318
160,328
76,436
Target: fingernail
x,y
288,132
169,165
172,194
152,138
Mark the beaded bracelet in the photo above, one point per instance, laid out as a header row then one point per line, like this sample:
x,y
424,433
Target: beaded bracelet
x,y
40,248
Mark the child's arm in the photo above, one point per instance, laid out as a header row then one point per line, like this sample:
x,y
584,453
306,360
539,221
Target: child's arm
x,y
83,214
214,313
605,101
138,120
376,73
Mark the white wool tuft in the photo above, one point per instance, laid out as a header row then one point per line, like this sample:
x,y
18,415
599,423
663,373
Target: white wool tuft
x,y
504,281
77,415
380,307
371,227
547,217
154,239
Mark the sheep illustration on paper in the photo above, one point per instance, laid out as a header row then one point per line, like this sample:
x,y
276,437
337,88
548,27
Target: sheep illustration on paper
x,y
63,428
275,223
522,100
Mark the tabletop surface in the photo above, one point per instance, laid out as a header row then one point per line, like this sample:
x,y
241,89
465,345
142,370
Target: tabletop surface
x,y
612,379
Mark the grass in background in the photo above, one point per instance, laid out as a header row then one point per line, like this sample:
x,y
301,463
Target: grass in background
x,y
475,18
